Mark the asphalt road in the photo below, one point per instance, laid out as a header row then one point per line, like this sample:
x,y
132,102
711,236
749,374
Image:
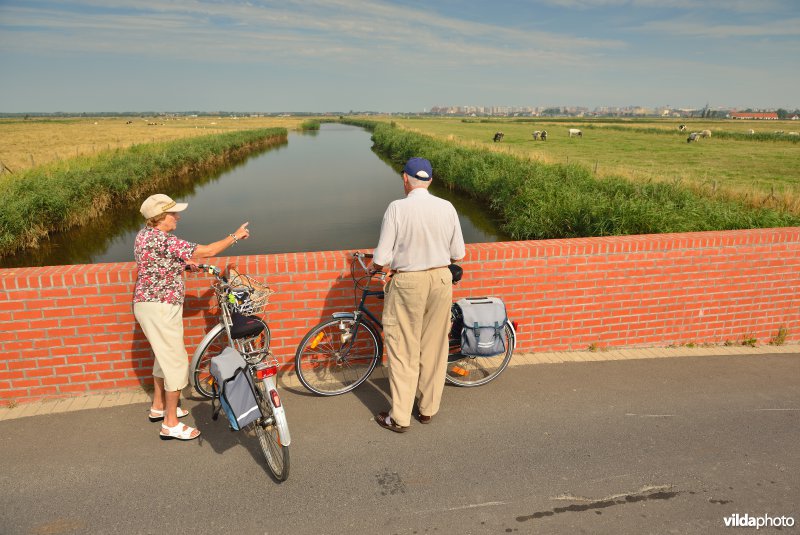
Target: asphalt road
x,y
621,447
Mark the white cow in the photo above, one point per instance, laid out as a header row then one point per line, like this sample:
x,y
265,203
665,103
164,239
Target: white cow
x,y
575,132
536,134
706,133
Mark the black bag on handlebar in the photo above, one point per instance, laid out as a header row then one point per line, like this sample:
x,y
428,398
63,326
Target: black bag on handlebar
x,y
232,383
483,333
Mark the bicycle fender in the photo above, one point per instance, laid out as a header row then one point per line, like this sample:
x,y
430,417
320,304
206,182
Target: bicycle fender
x,y
514,332
278,412
214,331
343,316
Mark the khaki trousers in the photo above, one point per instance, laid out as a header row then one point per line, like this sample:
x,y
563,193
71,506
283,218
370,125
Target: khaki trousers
x,y
416,319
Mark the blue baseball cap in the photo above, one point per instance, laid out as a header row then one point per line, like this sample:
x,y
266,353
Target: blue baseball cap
x,y
419,168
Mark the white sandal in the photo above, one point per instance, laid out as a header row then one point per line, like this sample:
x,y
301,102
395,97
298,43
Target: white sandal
x,y
180,431
157,415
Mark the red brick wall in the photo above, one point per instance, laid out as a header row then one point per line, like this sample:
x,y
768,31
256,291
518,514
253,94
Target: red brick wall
x,y
68,330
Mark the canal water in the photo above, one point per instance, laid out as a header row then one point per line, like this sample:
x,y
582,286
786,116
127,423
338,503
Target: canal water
x,y
320,191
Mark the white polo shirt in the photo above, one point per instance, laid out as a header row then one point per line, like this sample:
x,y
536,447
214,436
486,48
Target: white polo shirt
x,y
419,232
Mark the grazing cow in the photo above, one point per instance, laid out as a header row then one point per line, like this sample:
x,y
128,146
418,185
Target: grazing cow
x,y
544,135
706,133
498,136
793,134
536,135
682,128
694,136
575,132
751,131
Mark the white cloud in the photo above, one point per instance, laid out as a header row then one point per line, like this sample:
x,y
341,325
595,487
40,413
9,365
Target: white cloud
x,y
777,28
200,29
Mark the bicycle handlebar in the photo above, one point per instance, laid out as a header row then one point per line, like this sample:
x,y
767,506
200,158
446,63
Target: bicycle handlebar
x,y
212,270
358,255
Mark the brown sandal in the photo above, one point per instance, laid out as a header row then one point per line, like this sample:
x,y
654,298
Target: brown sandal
x,y
386,422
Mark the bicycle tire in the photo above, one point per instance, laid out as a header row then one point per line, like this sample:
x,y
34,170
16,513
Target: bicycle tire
x,y
463,370
329,363
269,436
201,373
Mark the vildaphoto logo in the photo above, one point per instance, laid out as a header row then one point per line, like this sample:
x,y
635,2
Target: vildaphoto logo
x,y
764,521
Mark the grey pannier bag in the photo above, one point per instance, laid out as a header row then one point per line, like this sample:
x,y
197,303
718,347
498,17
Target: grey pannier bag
x,y
232,383
484,332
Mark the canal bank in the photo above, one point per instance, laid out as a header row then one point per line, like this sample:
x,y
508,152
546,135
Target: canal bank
x,y
313,191
68,194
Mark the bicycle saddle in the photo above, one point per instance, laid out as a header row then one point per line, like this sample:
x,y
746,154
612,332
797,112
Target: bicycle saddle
x,y
245,326
457,271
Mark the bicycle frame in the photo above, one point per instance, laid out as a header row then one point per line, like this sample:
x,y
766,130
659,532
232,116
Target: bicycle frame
x,y
366,292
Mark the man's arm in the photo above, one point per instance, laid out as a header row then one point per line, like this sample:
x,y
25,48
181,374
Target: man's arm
x,y
382,255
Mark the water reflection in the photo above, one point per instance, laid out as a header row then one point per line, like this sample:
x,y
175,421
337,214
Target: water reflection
x,y
323,191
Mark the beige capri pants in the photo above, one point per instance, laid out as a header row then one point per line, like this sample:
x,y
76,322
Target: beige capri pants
x,y
162,324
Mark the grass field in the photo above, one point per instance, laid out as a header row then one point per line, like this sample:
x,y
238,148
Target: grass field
x,y
755,170
538,200
28,143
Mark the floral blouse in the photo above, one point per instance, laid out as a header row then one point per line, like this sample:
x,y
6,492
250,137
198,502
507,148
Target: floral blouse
x,y
160,259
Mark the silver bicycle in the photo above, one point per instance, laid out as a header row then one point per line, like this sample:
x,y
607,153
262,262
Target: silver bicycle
x,y
240,302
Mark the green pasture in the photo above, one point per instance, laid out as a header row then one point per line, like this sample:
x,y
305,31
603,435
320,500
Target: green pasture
x,y
538,200
763,167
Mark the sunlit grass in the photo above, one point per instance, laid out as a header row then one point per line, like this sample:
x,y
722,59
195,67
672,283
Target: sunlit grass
x,y
538,200
761,169
63,194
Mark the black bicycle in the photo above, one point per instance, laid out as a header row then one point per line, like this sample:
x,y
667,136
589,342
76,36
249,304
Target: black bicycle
x,y
341,352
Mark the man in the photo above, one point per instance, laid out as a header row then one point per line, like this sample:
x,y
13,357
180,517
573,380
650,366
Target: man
x,y
420,236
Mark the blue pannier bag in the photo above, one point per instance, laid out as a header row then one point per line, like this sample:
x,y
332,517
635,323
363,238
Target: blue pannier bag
x,y
483,333
233,385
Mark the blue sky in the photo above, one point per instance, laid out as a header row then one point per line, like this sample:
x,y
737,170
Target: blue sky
x,y
340,55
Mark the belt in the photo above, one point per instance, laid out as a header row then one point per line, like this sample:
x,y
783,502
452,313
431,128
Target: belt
x,y
419,270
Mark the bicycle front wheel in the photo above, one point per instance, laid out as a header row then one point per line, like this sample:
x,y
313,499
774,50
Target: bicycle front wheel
x,y
463,370
269,436
337,355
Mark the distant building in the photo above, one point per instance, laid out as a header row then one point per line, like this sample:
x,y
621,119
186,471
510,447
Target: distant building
x,y
767,116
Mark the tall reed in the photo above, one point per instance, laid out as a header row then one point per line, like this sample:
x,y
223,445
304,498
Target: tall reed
x,y
64,194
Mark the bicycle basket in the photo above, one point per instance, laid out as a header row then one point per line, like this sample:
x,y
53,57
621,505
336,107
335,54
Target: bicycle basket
x,y
247,296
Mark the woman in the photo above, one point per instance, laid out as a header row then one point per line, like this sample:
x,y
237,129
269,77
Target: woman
x,y
161,259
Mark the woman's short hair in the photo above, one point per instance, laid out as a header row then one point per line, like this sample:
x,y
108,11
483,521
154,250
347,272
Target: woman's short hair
x,y
155,220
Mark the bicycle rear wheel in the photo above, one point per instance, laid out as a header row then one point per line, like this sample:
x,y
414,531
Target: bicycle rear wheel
x,y
337,355
463,370
269,436
200,373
